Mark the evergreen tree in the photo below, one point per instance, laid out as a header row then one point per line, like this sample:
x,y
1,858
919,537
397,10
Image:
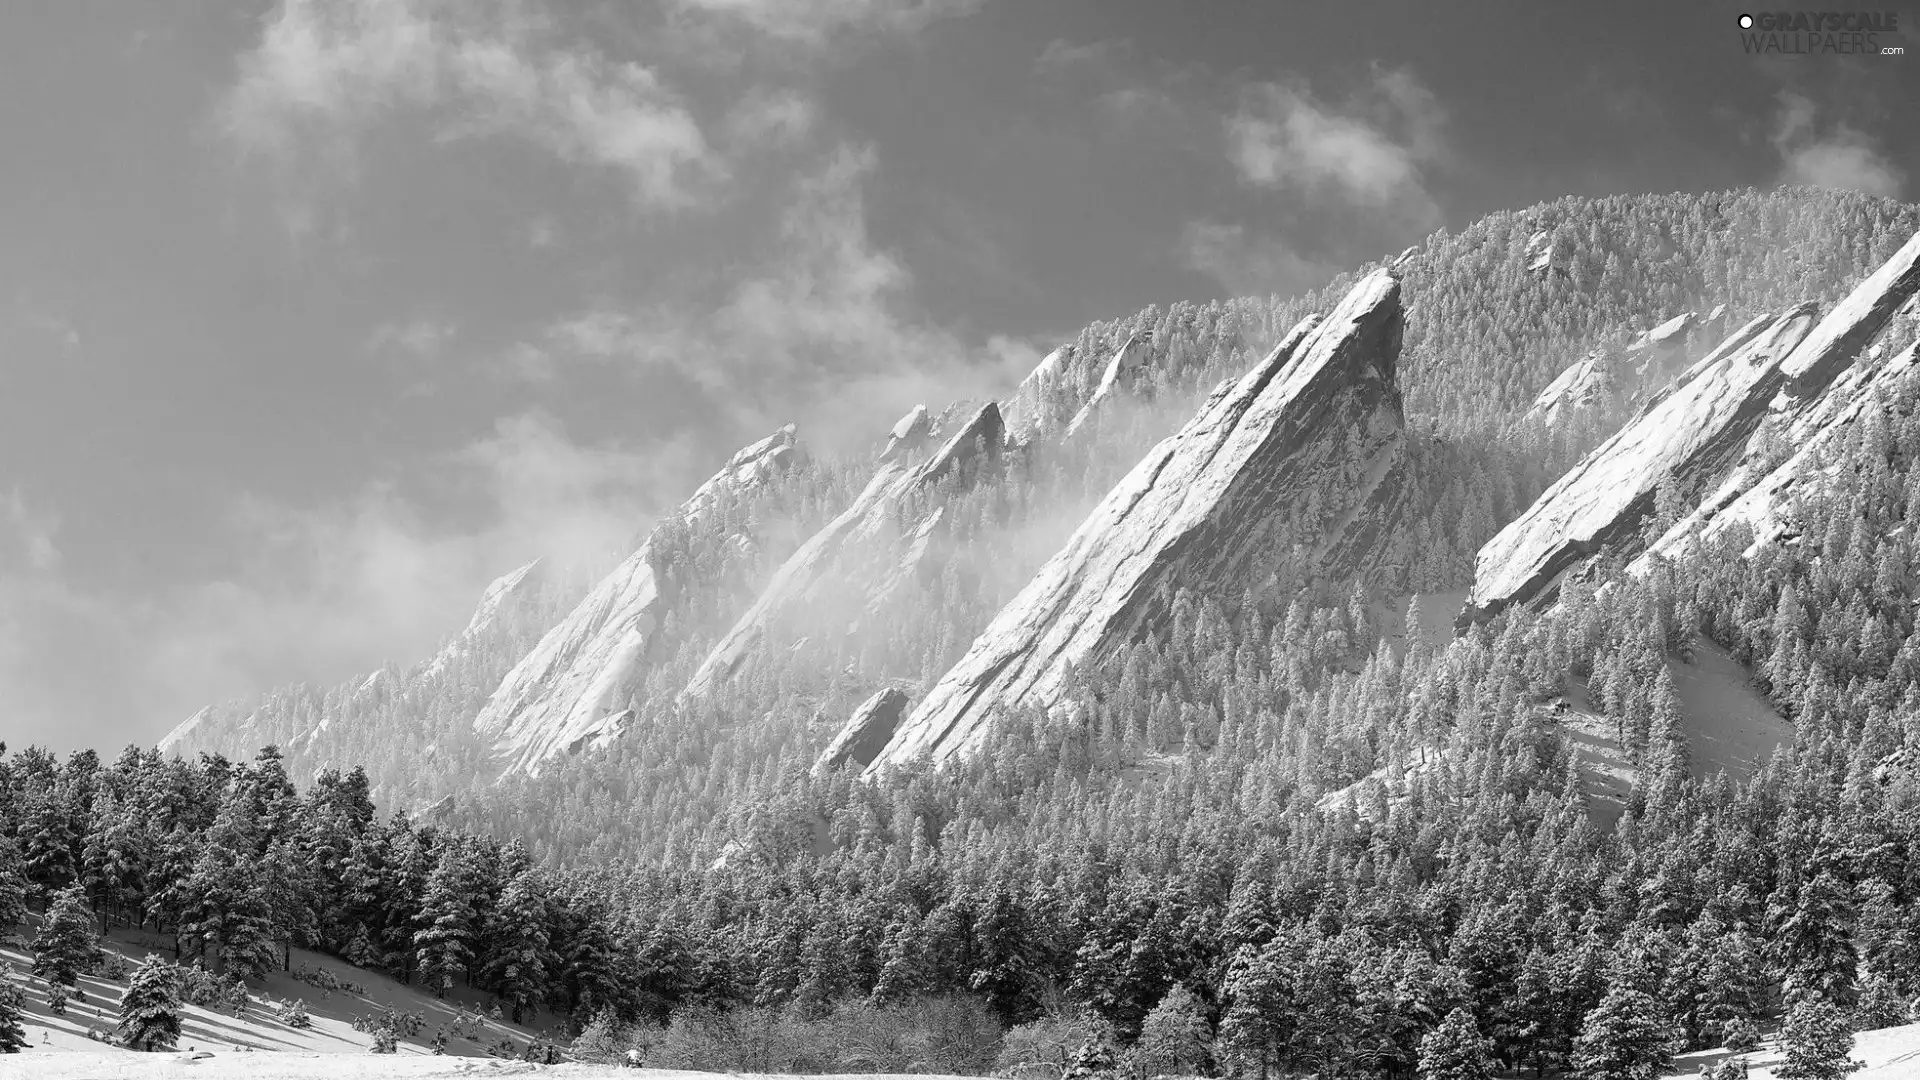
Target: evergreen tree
x,y
13,1010
14,887
1625,1037
1456,1050
1174,1037
66,946
519,961
447,920
1817,1040
150,1009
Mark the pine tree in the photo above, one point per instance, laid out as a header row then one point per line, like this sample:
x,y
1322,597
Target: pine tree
x,y
1456,1050
1625,1037
13,1009
1817,1040
66,946
1174,1037
150,1009
447,920
519,960
14,888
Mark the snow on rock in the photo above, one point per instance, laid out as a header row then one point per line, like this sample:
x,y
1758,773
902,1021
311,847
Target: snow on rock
x,y
1692,432
1310,426
1697,433
1026,410
559,695
501,595
1854,322
182,730
859,546
908,433
1765,505
1131,357
865,733
1539,252
1585,382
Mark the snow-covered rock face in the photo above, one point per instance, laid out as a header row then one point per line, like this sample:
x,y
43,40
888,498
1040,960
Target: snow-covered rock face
x,y
1601,377
1135,354
1539,252
497,601
182,730
1696,435
1853,322
908,433
1691,434
1318,422
1025,411
859,553
1762,499
865,733
559,696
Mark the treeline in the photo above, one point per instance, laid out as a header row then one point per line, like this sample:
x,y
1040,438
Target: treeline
x,y
239,867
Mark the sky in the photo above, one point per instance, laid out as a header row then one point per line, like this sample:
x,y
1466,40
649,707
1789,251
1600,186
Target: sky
x,y
317,316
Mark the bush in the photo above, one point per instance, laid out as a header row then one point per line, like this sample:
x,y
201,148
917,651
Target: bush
x,y
1043,1049
113,966
1742,1035
947,1034
294,1014
198,987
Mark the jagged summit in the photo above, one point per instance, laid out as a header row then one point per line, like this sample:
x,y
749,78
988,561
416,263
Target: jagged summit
x,y
498,598
1319,413
1692,437
860,552
567,690
1132,355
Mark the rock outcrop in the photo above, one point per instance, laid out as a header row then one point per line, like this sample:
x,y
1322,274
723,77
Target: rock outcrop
x,y
1294,452
1695,436
865,733
1613,376
857,558
1691,433
908,433
1128,360
1026,411
497,602
563,694
1761,498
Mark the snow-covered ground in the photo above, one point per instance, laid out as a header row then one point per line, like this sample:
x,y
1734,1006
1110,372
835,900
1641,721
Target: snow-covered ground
x,y
1889,1053
256,1035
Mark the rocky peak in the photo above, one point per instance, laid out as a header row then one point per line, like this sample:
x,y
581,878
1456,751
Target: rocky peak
x,y
908,433
566,691
1133,355
860,556
1317,423
1694,435
865,733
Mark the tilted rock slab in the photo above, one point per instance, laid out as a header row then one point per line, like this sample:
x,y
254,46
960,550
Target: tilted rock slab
x,y
1131,357
1697,432
1198,510
820,564
1765,505
1692,432
500,597
865,733
558,697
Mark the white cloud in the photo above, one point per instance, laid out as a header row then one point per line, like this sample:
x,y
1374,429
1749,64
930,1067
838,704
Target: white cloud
x,y
815,22
1250,265
1841,157
330,68
26,536
421,336
1372,152
821,332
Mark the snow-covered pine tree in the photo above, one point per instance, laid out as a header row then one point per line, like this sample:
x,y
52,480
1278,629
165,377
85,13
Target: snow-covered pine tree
x,y
1818,1042
66,945
1456,1050
1625,1037
13,1009
150,1009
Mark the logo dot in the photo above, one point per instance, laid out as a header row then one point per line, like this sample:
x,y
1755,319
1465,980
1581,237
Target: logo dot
x,y
1746,22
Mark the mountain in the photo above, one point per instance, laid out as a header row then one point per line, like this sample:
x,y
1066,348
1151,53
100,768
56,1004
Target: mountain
x,y
1291,454
1686,440
570,689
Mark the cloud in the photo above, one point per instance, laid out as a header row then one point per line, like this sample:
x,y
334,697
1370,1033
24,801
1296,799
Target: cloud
x,y
327,70
1250,265
321,592
1062,57
1842,157
822,331
1373,152
817,22
421,337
